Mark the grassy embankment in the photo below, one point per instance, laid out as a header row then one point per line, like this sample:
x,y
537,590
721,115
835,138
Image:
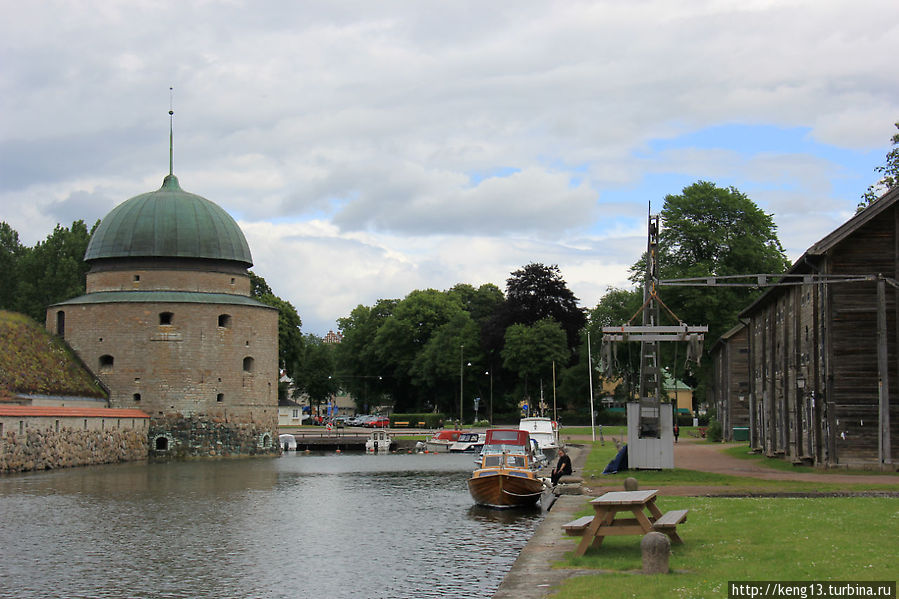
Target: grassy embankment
x,y
743,538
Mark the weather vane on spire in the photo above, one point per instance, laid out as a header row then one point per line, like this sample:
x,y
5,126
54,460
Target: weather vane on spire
x,y
171,130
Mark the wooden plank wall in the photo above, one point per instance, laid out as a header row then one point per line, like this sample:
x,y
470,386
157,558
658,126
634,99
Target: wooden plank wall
x,y
730,381
813,375
853,394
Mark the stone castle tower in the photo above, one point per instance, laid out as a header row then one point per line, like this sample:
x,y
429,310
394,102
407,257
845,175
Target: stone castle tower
x,y
168,325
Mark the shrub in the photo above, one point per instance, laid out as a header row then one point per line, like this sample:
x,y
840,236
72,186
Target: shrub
x,y
713,433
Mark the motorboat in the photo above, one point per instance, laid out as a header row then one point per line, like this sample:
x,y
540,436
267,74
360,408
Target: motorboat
x,y
507,475
441,440
378,441
287,442
468,443
545,432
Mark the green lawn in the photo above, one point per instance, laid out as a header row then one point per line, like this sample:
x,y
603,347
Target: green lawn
x,y
742,539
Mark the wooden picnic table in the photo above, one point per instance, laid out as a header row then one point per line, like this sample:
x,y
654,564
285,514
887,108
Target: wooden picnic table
x,y
641,505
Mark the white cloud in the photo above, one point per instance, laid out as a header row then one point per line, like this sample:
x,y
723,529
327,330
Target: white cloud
x,y
386,147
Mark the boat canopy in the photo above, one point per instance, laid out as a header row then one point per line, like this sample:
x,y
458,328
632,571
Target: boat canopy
x,y
446,436
507,436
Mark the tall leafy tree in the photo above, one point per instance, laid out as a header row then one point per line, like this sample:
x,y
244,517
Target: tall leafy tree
x,y
404,334
890,178
536,292
531,350
290,336
713,231
10,253
451,357
315,374
359,369
53,270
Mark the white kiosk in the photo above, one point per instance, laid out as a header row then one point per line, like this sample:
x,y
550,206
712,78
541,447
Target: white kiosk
x,y
650,435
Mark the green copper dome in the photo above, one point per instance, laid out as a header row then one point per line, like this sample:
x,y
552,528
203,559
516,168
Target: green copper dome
x,y
171,223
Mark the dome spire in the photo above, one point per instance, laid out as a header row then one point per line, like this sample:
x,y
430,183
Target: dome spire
x,y
171,131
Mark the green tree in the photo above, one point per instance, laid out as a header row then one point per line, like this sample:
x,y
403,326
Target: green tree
x,y
359,369
712,231
453,351
10,253
890,178
290,336
536,292
404,334
531,350
53,270
315,375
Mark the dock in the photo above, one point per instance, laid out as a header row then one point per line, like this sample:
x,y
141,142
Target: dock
x,y
338,439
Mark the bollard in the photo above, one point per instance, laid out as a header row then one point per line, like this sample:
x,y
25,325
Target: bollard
x,y
655,548
630,484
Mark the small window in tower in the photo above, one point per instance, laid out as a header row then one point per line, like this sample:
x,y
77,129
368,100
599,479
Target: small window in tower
x,y
220,397
136,397
165,318
248,364
233,280
106,363
136,278
225,321
61,323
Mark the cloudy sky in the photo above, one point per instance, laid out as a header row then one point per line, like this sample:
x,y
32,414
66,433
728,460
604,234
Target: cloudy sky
x,y
371,148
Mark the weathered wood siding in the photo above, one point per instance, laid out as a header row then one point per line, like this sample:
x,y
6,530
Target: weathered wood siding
x,y
813,369
730,387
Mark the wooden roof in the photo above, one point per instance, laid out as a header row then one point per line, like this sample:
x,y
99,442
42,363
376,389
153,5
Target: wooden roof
x,y
830,241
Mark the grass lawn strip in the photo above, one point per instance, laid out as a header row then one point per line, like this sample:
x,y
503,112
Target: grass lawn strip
x,y
741,539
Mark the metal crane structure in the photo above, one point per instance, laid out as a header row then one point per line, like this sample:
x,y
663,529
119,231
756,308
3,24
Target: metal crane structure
x,y
650,420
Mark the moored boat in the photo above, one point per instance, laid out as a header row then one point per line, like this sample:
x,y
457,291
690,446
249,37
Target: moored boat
x,y
441,440
468,443
545,432
378,442
507,475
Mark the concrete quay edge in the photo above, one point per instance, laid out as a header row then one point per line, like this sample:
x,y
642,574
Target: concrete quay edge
x,y
532,575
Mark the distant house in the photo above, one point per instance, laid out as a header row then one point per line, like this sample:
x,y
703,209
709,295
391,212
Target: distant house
x,y
823,354
332,337
290,413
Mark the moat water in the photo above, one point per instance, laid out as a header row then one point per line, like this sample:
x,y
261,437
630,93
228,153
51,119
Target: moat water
x,y
300,526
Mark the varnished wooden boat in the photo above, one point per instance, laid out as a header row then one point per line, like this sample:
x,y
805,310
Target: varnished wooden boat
x,y
506,476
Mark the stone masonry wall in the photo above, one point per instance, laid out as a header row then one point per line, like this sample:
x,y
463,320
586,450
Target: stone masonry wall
x,y
211,436
47,449
192,366
169,280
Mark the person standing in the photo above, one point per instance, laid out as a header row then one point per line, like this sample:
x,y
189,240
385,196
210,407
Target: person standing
x,y
563,467
676,431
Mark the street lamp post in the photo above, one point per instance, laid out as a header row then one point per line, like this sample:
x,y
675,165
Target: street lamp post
x,y
490,417
461,379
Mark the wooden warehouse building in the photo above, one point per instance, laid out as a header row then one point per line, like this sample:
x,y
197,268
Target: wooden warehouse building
x,y
823,358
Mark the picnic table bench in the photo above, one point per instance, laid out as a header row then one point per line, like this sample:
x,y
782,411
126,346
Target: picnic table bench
x,y
594,529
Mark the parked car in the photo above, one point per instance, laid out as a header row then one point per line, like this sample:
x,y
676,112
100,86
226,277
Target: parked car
x,y
379,422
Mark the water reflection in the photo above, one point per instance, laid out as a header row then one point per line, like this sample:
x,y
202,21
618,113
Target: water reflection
x,y
313,525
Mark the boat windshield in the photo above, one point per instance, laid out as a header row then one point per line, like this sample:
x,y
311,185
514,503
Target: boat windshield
x,y
512,461
503,448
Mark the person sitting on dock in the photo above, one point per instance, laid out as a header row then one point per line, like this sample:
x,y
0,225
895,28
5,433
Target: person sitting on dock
x,y
563,467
